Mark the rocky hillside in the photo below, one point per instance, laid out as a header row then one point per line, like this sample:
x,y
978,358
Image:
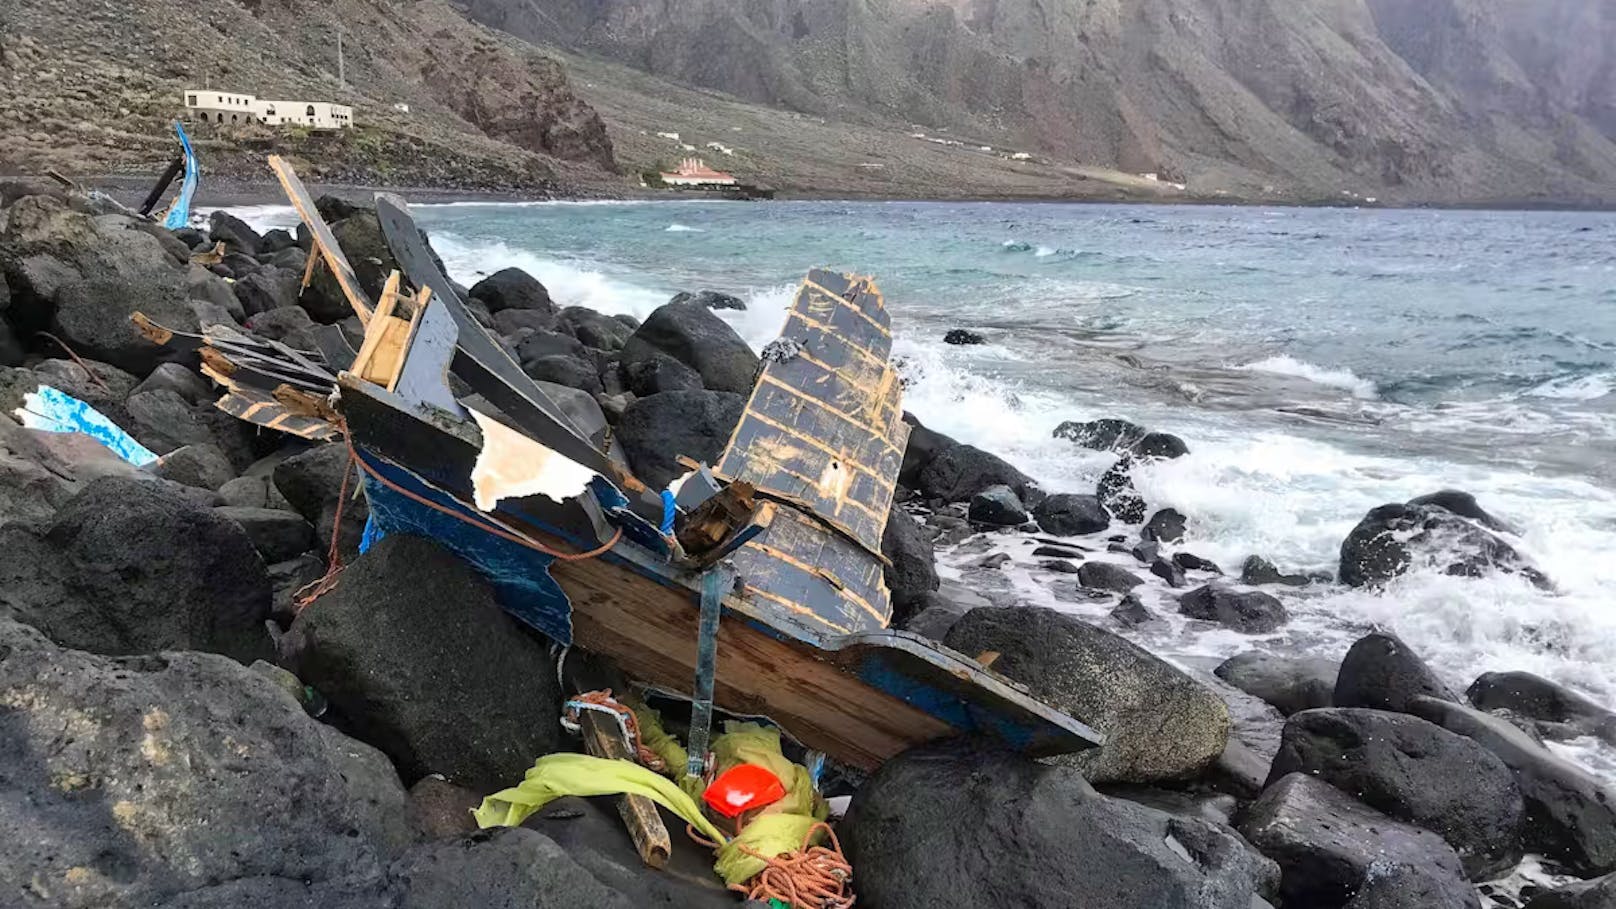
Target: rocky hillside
x,y
1431,100
93,87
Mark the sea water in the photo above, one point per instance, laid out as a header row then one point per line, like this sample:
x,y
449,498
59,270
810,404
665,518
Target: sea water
x,y
1318,362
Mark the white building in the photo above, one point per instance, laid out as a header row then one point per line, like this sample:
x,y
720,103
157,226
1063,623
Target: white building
x,y
220,108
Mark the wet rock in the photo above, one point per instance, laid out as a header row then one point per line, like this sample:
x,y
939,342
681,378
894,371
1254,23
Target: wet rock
x,y
997,506
655,430
1106,576
1169,572
1058,552
1410,888
963,337
1416,772
1165,526
135,566
600,331
538,344
1070,514
711,299
691,334
183,382
1160,445
1159,723
515,323
361,239
138,780
1101,435
913,570
934,612
994,561
957,473
1599,893
1560,712
277,535
1192,562
1287,683
500,868
658,373
312,482
1117,495
1570,813
1328,846
1072,846
573,372
1145,552
924,445
202,466
1131,611
1248,611
1394,539
1059,566
513,288
234,233
1464,505
276,240
469,699
1383,673
268,288
1258,571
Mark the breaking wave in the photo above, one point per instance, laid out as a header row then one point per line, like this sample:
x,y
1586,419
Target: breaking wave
x,y
1345,379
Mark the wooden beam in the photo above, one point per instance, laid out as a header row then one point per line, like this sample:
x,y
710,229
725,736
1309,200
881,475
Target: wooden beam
x,y
603,738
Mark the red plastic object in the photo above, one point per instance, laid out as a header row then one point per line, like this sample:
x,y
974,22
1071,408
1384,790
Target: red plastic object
x,y
742,788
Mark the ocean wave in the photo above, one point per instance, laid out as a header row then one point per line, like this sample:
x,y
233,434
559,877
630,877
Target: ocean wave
x,y
1345,379
570,282
677,228
1577,388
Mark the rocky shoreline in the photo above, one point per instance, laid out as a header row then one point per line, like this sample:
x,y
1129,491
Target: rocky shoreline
x,y
177,732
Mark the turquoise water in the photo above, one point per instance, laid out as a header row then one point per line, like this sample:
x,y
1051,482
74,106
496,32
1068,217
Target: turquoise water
x,y
1318,362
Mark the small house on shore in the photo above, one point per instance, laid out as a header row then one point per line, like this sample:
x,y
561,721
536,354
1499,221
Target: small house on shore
x,y
219,108
694,172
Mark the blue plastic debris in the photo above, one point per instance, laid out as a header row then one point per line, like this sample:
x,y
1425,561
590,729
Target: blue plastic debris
x,y
56,411
179,214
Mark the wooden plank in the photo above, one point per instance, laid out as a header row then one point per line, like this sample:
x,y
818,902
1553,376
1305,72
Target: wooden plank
x,y
324,243
376,329
603,738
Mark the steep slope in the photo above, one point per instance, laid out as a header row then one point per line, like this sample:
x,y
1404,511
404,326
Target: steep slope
x,y
1417,99
93,88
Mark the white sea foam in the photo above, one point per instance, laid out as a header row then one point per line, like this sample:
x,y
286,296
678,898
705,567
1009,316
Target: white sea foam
x,y
1286,365
1581,388
570,282
677,228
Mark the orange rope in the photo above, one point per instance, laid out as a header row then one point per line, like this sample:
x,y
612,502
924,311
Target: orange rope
x,y
646,757
77,359
327,582
813,877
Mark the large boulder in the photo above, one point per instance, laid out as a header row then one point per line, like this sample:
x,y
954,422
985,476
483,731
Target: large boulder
x,y
470,696
1560,713
162,780
1570,813
959,824
657,373
924,444
1411,888
1414,771
1288,684
40,471
1068,514
236,235
961,471
267,289
657,429
203,466
1247,611
1394,539
1329,846
691,334
1106,576
1107,434
137,566
278,535
361,239
513,288
92,316
1383,673
1159,724
912,572
1165,526
163,420
1258,571
313,483
711,299
596,330
180,380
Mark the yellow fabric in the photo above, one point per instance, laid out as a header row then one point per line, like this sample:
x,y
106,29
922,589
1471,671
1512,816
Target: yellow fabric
x,y
557,775
656,738
768,834
751,743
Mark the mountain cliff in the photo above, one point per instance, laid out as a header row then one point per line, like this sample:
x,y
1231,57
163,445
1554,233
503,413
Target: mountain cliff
x,y
1429,100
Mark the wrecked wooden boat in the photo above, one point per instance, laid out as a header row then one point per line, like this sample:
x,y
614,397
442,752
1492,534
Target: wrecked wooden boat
x,y
754,586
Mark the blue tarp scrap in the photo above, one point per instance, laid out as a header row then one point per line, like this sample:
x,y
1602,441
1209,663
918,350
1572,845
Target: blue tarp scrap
x,y
56,411
179,214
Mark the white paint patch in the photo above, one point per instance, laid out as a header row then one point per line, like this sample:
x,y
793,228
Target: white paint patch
x,y
511,465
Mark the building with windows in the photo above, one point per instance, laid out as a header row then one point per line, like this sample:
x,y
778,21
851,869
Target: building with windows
x,y
224,108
